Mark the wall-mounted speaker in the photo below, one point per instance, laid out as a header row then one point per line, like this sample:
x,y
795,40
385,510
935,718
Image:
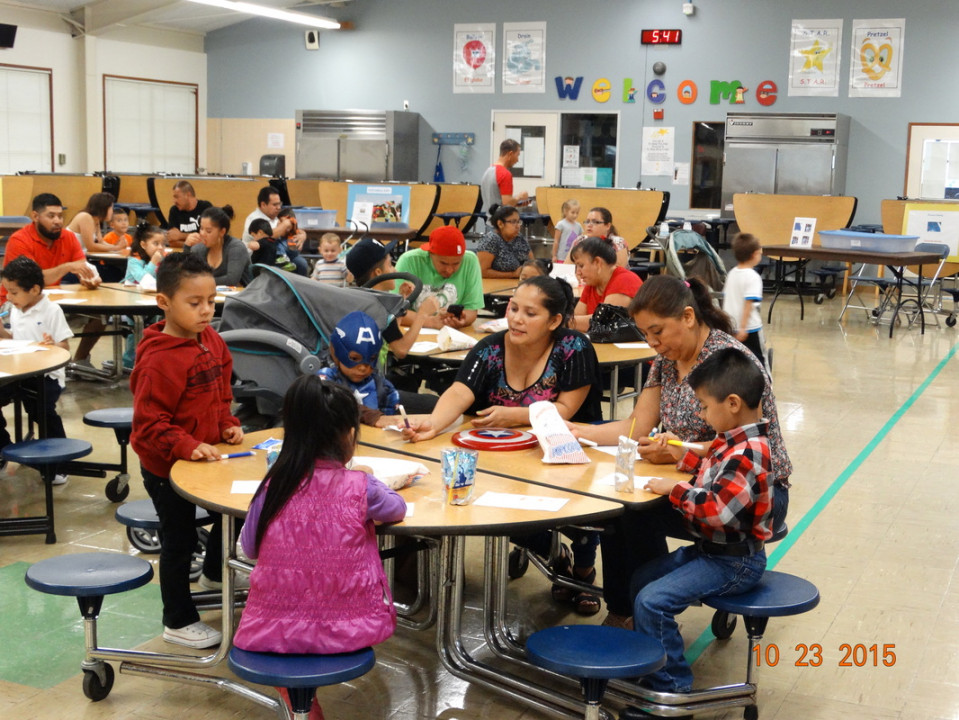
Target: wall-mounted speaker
x,y
8,33
312,38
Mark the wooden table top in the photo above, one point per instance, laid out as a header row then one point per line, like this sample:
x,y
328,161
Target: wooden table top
x,y
209,484
109,298
499,285
21,365
528,465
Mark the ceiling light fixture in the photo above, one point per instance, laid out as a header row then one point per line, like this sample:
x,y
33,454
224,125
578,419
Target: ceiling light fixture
x,y
274,13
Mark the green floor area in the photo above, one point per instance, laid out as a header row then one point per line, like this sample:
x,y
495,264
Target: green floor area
x,y
42,635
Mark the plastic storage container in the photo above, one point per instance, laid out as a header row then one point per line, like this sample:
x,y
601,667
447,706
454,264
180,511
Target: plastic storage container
x,y
872,242
314,218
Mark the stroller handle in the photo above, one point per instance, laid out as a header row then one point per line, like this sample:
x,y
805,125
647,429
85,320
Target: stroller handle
x,y
417,283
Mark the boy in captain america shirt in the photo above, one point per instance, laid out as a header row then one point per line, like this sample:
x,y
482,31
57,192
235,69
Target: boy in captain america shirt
x,y
354,349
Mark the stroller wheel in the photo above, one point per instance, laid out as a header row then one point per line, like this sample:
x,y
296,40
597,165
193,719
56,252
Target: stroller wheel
x,y
951,321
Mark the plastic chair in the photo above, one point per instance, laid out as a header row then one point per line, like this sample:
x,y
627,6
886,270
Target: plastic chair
x,y
46,456
301,675
88,577
595,654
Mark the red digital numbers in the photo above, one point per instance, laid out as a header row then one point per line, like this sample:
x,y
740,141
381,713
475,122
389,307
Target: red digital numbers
x,y
661,37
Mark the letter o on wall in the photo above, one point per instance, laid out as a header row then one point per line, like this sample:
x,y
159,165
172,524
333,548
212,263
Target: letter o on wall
x,y
687,92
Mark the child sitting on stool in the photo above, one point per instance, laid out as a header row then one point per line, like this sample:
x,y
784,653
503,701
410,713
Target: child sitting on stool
x,y
727,508
34,317
355,349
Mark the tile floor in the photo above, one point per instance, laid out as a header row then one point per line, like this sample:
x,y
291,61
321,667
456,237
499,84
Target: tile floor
x,y
873,523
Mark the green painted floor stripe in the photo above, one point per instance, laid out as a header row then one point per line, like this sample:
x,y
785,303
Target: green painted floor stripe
x,y
795,532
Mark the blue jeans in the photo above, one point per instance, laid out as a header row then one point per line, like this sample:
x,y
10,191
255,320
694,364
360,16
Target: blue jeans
x,y
668,585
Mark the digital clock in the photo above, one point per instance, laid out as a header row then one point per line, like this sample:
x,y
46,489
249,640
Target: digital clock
x,y
661,37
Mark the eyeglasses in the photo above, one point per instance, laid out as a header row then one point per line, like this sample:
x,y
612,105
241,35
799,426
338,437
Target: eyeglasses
x,y
589,221
517,221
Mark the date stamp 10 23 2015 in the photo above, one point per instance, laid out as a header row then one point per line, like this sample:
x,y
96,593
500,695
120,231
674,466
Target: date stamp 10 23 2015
x,y
811,655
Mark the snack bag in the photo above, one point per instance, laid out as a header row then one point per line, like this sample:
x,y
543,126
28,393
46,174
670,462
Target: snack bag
x,y
558,443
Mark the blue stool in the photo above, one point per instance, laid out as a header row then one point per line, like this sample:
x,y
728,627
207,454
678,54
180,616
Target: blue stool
x,y
595,654
723,623
120,420
46,456
88,577
301,675
777,595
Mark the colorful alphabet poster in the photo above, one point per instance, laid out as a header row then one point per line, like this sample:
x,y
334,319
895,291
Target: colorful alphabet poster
x,y
474,58
814,57
524,57
875,69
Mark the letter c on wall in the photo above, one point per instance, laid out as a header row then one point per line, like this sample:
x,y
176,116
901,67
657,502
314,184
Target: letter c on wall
x,y
656,92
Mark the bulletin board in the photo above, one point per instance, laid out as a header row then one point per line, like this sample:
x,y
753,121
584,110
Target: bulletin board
x,y
934,222
932,161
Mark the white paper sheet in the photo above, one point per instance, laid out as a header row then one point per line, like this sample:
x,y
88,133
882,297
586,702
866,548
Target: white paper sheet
x,y
75,301
21,350
639,481
520,502
632,346
57,291
244,487
429,331
409,509
424,346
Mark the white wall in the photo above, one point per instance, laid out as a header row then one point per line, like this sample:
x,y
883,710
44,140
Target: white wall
x,y
78,64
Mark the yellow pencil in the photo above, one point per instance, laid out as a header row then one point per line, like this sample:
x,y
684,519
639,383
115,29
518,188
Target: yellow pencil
x,y
632,426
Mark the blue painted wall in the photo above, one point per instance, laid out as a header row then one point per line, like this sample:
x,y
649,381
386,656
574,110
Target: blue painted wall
x,y
402,50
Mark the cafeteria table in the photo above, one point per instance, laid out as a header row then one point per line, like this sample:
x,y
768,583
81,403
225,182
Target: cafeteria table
x,y
211,485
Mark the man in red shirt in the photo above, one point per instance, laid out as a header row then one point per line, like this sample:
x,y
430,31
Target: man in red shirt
x,y
496,185
56,251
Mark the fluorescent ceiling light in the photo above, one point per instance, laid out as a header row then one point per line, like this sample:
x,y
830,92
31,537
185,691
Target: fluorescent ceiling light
x,y
274,13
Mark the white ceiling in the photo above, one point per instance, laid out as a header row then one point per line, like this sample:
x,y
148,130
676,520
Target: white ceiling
x,y
167,14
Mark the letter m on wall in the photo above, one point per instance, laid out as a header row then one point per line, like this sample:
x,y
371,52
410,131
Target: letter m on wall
x,y
721,90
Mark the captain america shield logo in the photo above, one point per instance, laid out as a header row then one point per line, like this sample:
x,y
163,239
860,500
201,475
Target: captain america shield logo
x,y
495,439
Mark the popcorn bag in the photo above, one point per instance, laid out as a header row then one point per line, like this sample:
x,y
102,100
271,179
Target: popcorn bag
x,y
558,443
452,339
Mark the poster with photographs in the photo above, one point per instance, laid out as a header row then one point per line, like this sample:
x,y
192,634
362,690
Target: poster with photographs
x,y
524,57
815,52
875,69
474,58
804,230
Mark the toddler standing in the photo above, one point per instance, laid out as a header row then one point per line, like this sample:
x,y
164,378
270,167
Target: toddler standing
x,y
330,267
567,230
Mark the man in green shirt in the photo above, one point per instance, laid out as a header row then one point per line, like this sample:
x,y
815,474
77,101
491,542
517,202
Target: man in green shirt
x,y
449,273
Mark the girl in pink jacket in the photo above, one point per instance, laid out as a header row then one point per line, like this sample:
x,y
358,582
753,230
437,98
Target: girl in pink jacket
x,y
318,586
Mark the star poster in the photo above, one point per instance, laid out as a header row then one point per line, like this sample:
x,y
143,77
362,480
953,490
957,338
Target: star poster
x,y
814,57
875,69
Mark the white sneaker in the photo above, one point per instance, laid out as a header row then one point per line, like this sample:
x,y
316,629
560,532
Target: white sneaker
x,y
240,582
60,480
197,635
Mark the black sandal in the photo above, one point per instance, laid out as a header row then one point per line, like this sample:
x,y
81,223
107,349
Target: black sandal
x,y
586,603
563,566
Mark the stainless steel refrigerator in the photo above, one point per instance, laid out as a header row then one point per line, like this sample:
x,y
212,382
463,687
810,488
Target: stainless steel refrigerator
x,y
370,146
787,154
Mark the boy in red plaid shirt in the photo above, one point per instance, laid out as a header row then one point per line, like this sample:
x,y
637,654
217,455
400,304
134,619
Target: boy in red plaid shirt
x,y
727,509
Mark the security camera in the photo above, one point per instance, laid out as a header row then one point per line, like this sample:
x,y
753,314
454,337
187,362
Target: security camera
x,y
688,8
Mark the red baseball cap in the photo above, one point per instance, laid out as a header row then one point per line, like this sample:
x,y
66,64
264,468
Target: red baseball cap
x,y
447,240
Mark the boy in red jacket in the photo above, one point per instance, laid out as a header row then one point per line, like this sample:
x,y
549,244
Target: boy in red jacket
x,y
181,409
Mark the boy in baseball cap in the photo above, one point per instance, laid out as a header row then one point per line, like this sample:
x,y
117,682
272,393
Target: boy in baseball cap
x,y
354,350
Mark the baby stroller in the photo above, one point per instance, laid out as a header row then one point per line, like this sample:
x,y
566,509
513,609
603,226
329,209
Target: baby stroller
x,y
279,327
704,264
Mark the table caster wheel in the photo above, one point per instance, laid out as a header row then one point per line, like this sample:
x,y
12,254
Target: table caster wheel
x,y
723,624
751,712
831,293
951,321
118,488
518,563
819,299
146,541
93,688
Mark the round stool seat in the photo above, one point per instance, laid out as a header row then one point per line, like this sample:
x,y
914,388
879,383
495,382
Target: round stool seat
x,y
46,452
89,574
777,594
142,514
119,417
595,651
300,671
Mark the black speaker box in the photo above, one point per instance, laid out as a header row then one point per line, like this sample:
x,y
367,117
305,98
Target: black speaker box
x,y
8,33
273,165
